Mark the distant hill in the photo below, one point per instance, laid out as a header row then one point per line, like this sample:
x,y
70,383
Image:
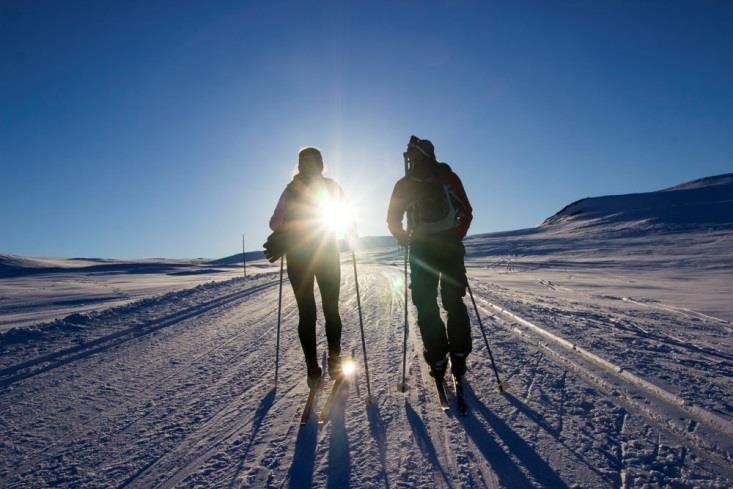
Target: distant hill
x,y
13,265
704,202
236,259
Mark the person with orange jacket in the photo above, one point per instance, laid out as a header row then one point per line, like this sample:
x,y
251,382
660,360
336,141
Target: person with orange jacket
x,y
438,217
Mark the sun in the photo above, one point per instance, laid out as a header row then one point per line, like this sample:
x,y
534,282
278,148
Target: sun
x,y
335,216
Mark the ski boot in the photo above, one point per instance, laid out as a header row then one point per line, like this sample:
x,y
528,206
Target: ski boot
x,y
437,368
437,372
314,374
334,365
458,364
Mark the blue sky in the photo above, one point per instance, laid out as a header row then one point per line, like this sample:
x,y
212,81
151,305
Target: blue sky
x,y
145,129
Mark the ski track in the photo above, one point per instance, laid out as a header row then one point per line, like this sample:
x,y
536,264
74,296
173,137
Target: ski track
x,y
177,393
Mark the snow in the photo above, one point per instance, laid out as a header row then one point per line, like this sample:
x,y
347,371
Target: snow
x,y
612,327
34,290
705,201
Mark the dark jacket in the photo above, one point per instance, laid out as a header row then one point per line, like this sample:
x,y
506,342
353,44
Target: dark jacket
x,y
298,207
405,191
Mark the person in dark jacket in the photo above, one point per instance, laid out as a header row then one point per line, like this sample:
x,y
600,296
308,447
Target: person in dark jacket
x,y
312,254
438,217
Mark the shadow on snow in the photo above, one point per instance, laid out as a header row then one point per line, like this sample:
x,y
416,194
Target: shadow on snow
x,y
422,438
378,431
259,416
502,464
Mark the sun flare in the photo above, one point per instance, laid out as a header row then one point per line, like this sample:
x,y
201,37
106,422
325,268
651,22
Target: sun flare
x,y
397,284
336,216
348,368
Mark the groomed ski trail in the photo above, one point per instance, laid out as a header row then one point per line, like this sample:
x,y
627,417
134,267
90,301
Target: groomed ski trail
x,y
191,404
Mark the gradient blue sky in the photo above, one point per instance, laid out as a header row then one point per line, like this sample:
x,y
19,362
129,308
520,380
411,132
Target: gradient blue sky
x,y
145,129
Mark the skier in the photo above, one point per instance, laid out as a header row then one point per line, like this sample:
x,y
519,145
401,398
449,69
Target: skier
x,y
312,253
438,217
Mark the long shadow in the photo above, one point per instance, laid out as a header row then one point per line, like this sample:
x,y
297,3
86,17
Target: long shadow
x,y
379,433
505,469
536,465
259,416
422,437
339,459
301,471
542,423
531,414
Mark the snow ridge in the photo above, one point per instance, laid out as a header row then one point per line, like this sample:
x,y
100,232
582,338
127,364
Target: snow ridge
x,y
704,202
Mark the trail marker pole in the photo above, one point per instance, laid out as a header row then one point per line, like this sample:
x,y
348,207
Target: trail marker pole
x,y
244,260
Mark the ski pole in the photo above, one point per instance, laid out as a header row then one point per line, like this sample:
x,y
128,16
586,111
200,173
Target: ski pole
x,y
403,385
483,333
361,326
279,312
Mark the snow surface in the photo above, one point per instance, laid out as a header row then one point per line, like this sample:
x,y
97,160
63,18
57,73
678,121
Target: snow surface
x,y
612,327
34,290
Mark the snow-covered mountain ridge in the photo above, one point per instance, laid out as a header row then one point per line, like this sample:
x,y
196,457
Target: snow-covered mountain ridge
x,y
706,201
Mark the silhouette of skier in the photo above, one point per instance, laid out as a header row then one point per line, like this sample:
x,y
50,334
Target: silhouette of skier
x,y
312,253
438,217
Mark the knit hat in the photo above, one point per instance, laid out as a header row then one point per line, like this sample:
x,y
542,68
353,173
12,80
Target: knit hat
x,y
422,146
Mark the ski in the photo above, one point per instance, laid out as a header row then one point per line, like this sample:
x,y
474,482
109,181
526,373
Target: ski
x,y
312,395
440,385
332,397
460,398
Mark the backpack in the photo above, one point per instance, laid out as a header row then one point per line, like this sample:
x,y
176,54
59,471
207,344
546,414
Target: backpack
x,y
433,208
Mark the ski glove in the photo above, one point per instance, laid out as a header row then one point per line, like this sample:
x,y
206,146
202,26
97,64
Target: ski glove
x,y
275,246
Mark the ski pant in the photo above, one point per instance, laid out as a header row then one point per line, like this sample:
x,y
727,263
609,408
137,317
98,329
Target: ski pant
x,y
304,267
436,262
